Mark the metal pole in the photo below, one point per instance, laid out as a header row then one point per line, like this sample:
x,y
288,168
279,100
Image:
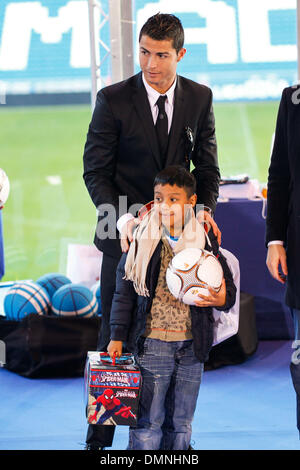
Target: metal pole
x,y
127,39
91,6
121,39
120,49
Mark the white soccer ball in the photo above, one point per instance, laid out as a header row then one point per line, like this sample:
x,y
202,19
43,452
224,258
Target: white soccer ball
x,y
4,187
190,273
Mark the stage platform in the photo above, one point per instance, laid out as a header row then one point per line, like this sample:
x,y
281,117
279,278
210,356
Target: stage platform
x,y
250,406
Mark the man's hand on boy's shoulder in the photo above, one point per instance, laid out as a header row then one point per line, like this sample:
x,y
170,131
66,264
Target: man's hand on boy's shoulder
x,y
127,233
214,299
204,216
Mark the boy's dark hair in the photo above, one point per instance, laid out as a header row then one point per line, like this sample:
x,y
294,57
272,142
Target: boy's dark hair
x,y
163,26
178,175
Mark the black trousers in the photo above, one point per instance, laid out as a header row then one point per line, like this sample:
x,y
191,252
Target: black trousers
x,y
97,434
295,363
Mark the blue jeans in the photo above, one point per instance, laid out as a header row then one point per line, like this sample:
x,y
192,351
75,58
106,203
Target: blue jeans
x,y
171,377
295,362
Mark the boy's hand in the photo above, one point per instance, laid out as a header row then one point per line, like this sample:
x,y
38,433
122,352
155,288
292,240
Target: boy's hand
x,y
214,299
115,347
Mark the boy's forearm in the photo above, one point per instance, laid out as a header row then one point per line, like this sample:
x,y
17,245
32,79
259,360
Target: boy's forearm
x,y
230,286
230,295
118,333
123,305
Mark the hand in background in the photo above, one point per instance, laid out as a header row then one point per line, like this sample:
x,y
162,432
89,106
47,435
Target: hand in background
x,y
276,257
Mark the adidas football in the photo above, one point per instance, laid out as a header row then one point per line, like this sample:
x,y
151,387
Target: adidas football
x,y
190,273
4,187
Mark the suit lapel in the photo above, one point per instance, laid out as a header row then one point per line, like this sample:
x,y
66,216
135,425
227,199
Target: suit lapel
x,y
176,130
141,104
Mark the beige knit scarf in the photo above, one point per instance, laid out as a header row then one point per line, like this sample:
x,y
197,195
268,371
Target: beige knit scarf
x,y
146,238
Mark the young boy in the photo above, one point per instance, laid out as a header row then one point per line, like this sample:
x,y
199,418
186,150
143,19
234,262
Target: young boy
x,y
170,339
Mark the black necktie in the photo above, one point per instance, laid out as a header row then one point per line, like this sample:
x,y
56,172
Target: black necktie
x,y
161,126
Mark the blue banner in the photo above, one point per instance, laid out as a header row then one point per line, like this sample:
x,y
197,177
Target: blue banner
x,y
242,49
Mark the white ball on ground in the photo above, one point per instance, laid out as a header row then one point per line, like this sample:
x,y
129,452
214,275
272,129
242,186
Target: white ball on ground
x,y
4,187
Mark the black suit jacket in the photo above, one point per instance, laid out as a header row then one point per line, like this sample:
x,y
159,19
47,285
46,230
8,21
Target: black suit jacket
x,y
283,199
121,155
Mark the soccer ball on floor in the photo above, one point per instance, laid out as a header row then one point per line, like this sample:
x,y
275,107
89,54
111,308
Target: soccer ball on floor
x,y
4,187
190,273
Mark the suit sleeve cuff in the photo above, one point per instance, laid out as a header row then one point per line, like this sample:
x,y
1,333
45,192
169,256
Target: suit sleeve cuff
x,y
122,221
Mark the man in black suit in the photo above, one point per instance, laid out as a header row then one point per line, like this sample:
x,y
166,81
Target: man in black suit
x,y
131,137
283,216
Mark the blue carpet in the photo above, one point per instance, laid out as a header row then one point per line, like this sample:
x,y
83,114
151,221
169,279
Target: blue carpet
x,y
250,406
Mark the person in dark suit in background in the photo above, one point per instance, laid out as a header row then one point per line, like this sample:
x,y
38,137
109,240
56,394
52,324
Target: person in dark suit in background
x,y
139,126
283,216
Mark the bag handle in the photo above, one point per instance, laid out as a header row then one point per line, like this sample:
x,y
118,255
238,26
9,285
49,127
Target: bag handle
x,y
127,359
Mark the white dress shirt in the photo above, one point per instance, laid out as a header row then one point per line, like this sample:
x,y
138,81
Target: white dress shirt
x,y
153,96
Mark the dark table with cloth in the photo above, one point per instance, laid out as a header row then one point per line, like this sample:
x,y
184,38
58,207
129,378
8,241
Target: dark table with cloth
x,y
242,225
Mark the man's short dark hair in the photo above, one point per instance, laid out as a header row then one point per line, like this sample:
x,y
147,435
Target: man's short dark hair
x,y
179,176
163,26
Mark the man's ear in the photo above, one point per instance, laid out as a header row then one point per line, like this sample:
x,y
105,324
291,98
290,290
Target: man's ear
x,y
181,54
193,200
